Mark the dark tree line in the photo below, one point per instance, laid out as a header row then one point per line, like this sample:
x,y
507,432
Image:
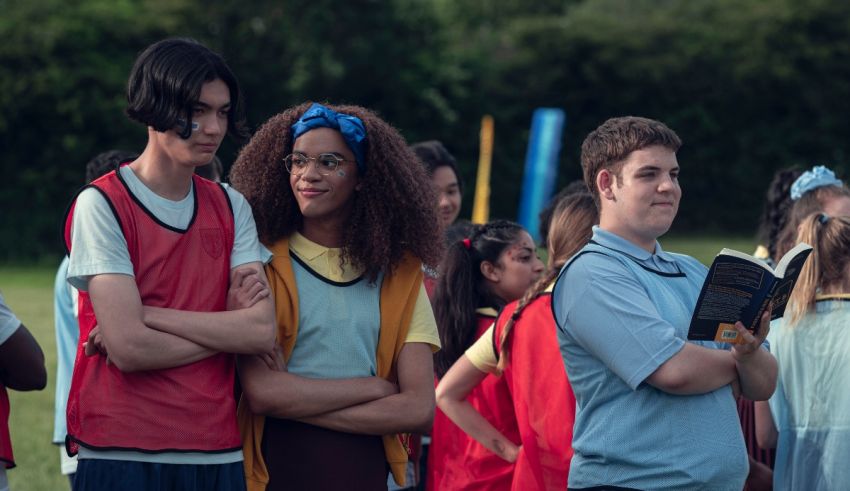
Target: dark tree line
x,y
750,86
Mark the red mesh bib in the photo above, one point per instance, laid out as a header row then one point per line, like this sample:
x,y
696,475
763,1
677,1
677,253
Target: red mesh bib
x,y
6,456
543,400
187,408
456,461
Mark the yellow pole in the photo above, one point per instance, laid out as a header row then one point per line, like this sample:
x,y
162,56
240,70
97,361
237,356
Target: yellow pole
x,y
481,203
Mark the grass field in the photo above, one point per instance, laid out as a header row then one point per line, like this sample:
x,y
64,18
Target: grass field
x,y
29,292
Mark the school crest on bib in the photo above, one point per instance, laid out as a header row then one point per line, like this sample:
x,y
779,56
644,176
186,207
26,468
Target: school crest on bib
x,y
212,241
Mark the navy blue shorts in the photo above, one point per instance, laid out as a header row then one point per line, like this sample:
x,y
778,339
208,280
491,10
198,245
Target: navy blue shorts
x,y
126,475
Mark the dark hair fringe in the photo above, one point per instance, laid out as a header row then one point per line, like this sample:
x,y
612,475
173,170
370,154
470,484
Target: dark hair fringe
x,y
165,83
434,155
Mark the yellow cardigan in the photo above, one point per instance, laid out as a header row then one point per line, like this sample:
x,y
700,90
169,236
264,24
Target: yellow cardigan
x,y
399,292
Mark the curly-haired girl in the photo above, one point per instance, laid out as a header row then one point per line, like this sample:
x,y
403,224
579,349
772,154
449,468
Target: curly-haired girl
x,y
346,209
495,265
522,346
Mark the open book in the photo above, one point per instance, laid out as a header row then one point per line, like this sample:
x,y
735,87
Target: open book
x,y
739,287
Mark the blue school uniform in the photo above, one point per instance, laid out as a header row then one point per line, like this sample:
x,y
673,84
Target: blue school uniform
x,y
622,312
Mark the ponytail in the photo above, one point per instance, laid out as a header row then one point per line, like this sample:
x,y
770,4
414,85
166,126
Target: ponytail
x,y
827,264
461,288
455,301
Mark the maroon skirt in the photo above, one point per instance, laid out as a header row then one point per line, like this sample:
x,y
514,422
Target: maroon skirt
x,y
302,456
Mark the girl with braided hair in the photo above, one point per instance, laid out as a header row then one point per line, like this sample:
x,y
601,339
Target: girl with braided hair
x,y
522,347
807,419
494,265
341,202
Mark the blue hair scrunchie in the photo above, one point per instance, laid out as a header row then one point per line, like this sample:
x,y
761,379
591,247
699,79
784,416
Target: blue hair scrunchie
x,y
818,177
351,127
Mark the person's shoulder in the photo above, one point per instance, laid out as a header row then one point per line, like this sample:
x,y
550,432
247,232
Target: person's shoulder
x,y
91,199
689,262
592,263
232,193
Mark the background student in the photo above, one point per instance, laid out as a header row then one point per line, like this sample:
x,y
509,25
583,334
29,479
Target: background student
x,y
448,186
814,191
808,417
522,347
480,274
442,169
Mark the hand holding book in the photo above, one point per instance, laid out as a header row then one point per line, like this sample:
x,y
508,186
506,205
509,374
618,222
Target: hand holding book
x,y
741,288
751,341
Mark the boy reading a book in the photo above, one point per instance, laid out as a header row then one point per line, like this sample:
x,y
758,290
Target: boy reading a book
x,y
653,410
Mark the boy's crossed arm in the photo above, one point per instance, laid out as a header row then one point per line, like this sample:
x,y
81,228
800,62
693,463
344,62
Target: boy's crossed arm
x,y
146,338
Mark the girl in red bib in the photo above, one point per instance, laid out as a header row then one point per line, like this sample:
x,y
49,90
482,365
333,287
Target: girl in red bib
x,y
496,264
523,348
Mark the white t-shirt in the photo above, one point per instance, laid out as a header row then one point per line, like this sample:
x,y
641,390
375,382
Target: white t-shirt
x,y
8,322
99,247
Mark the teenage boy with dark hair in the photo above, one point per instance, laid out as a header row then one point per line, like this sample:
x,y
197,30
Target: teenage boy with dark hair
x,y
153,250
654,411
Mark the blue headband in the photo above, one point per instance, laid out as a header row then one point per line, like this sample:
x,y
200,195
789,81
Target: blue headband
x,y
818,177
351,127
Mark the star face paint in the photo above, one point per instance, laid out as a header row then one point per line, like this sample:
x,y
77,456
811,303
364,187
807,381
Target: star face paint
x,y
340,173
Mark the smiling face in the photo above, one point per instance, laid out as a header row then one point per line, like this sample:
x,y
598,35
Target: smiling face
x,y
516,270
324,200
448,194
641,203
210,113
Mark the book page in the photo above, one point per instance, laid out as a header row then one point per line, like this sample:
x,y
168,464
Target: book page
x,y
746,257
790,258
735,289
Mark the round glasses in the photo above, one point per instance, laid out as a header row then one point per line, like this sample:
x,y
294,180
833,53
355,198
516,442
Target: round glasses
x,y
296,163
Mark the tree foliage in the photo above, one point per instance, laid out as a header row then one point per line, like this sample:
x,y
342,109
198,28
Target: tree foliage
x,y
751,87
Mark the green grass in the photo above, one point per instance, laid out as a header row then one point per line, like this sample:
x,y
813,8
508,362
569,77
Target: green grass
x,y
29,292
704,248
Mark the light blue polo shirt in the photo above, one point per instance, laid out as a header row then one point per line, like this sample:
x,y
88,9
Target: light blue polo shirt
x,y
621,313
